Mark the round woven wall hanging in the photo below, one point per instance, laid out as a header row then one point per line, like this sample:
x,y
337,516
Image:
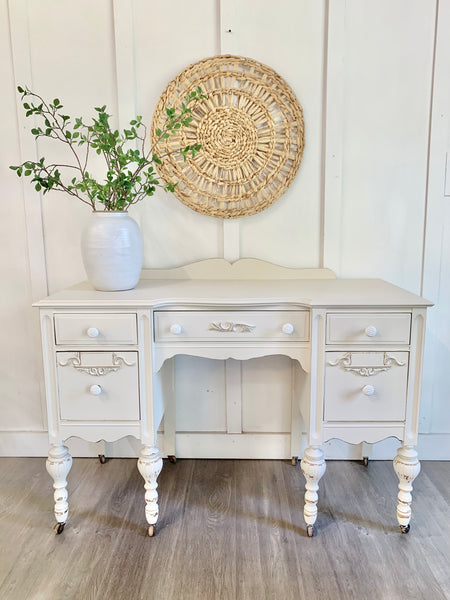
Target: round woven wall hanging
x,y
251,130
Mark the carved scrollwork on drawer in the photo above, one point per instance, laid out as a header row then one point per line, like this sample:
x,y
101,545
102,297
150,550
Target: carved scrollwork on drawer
x,y
386,362
231,327
97,371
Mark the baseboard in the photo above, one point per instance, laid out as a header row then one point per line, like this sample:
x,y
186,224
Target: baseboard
x,y
431,446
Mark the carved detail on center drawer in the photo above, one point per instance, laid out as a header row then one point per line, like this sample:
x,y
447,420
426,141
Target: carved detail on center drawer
x,y
233,327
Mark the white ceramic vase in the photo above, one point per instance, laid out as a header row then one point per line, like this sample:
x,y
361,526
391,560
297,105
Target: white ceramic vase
x,y
111,247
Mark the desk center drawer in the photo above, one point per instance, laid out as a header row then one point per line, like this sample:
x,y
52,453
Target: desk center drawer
x,y
223,326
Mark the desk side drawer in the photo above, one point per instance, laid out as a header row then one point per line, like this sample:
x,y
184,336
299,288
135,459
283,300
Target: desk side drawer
x,y
368,328
98,386
365,386
95,329
223,326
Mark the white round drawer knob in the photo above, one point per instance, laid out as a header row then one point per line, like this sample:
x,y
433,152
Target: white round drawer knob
x,y
93,332
368,390
288,328
371,331
175,329
95,390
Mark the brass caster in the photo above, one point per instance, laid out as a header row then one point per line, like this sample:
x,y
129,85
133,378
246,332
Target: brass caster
x,y
172,459
151,531
310,530
58,528
365,461
404,528
294,461
102,458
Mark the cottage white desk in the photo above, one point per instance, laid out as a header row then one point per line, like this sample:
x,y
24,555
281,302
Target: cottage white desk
x,y
359,344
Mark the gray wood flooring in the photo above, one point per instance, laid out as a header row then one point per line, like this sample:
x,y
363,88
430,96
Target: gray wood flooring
x,y
228,529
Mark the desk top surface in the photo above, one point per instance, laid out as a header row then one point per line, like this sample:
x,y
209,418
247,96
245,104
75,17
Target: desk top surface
x,y
319,293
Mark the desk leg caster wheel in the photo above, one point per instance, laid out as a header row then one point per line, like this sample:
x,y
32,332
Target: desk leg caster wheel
x,y
151,531
58,528
404,528
310,530
365,461
294,461
102,458
172,459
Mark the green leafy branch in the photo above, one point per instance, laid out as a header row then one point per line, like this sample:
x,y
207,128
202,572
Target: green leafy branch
x,y
129,174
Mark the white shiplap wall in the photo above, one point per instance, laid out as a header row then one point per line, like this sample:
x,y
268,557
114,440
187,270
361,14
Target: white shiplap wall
x,y
369,188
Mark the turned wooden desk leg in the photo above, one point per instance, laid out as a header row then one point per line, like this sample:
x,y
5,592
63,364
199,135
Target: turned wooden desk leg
x,y
407,467
150,465
313,467
58,466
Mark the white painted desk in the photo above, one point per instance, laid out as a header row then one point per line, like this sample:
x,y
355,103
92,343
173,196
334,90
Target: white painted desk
x,y
358,344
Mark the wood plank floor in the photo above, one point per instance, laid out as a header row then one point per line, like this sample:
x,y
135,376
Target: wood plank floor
x,y
228,529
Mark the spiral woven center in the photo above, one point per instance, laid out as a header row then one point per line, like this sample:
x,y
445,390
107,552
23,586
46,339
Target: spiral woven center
x,y
228,137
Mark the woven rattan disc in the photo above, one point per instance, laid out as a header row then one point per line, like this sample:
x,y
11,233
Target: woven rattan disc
x,y
250,126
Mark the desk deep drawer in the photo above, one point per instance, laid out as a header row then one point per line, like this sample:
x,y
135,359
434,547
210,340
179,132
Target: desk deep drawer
x,y
368,328
95,329
98,386
232,325
365,386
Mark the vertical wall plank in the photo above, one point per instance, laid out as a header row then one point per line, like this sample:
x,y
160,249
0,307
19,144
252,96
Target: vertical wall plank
x,y
38,280
227,26
173,234
334,136
374,219
23,272
233,395
124,59
288,36
231,235
20,42
435,415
